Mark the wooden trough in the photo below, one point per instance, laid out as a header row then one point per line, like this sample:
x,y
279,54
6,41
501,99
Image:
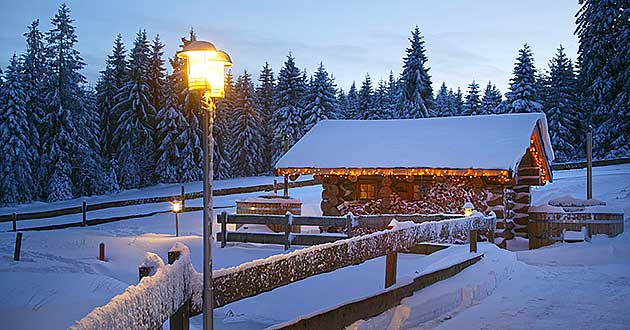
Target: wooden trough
x,y
271,204
547,222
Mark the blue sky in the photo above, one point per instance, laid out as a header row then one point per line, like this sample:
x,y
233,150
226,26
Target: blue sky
x,y
465,40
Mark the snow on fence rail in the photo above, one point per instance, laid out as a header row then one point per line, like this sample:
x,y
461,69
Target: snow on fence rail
x,y
84,208
178,286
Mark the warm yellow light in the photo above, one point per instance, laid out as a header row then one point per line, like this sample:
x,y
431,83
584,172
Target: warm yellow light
x,y
177,206
468,209
205,68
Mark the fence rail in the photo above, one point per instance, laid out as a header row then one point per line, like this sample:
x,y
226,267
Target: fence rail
x,y
596,163
16,217
176,289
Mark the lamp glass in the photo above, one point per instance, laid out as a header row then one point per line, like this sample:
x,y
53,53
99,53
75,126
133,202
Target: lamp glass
x,y
206,73
177,206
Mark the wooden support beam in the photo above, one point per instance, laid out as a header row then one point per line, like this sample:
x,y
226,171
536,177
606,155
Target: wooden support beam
x,y
223,217
391,263
84,212
472,239
101,252
18,247
14,219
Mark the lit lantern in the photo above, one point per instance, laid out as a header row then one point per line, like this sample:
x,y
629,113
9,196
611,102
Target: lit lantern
x,y
468,209
177,207
205,68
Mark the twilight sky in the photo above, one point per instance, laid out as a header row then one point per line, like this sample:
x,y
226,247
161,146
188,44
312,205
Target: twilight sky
x,y
465,39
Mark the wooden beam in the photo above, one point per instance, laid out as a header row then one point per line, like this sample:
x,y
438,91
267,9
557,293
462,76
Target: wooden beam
x,y
391,265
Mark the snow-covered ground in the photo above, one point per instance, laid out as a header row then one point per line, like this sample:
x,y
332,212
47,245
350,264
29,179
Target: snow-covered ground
x,y
584,285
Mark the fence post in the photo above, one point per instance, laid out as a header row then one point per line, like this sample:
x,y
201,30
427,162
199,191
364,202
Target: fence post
x,y
287,231
223,228
390,268
183,199
143,271
472,239
18,247
349,217
491,236
275,186
14,218
101,252
84,211
180,319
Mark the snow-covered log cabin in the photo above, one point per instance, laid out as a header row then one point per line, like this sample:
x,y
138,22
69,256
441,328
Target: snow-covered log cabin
x,y
426,165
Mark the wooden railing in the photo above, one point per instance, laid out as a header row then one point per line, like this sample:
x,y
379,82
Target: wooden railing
x,y
84,207
174,291
348,224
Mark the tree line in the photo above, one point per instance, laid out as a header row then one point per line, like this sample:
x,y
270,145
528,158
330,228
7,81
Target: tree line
x,y
138,125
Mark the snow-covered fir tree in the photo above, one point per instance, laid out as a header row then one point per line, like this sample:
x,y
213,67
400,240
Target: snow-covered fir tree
x,y
491,99
287,116
604,60
170,125
393,91
156,74
320,102
442,105
342,100
134,132
64,151
523,95
416,93
366,108
472,105
33,69
248,156
352,102
457,99
560,105
265,94
382,102
191,160
223,131
17,154
109,83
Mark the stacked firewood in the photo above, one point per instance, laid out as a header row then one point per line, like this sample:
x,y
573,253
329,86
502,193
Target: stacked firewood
x,y
441,197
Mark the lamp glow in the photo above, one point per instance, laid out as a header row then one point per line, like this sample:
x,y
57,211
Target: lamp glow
x,y
205,68
468,209
177,207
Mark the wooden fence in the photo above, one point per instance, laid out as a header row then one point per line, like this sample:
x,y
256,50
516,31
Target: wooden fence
x,y
596,163
84,207
348,223
176,290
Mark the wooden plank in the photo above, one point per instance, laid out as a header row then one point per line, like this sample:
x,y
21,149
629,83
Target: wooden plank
x,y
342,316
279,238
391,265
425,248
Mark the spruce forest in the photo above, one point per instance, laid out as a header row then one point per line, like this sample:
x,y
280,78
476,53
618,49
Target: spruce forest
x,y
137,126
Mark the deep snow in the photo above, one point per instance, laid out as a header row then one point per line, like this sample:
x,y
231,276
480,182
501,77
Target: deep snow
x,y
586,285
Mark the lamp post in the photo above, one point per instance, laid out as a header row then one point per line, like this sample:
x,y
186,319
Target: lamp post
x,y
177,207
206,73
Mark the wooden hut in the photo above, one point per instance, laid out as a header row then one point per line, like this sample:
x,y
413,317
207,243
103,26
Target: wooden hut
x,y
426,165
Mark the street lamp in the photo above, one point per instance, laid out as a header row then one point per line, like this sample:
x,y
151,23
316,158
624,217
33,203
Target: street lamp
x,y
206,71
177,207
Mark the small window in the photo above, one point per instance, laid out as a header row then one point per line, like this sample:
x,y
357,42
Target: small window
x,y
367,191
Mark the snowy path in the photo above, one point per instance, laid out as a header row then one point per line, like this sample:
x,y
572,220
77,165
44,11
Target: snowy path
x,y
59,278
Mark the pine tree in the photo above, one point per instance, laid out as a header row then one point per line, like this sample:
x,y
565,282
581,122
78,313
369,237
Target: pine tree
x,y
523,95
17,151
416,93
603,55
248,156
65,104
223,131
287,116
491,99
366,108
320,101
382,101
352,102
265,94
442,105
156,74
170,125
560,105
342,100
134,134
33,69
458,103
472,105
111,80
190,138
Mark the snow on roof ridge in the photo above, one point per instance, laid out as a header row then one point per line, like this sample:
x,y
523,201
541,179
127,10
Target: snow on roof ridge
x,y
440,142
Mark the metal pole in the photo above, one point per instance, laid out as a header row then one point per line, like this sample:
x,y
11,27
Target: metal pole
x,y
208,149
589,164
176,225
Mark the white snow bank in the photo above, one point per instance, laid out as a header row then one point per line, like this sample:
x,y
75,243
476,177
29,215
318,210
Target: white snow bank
x,y
448,142
149,303
570,201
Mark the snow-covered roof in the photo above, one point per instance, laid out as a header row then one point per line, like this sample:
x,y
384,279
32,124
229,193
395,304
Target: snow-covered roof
x,y
477,142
